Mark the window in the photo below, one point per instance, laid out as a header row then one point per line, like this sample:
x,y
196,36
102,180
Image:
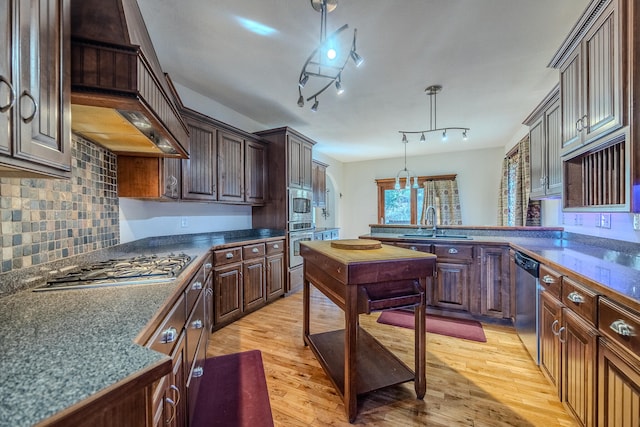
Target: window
x,y
402,206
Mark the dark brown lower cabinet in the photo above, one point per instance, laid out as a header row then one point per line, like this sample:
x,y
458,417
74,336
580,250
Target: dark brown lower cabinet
x,y
253,283
451,287
550,346
227,286
495,291
275,277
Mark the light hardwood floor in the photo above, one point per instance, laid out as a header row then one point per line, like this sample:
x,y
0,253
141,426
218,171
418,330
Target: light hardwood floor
x,y
468,383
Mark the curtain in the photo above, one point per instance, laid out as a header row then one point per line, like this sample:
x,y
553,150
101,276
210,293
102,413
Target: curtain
x,y
444,197
513,200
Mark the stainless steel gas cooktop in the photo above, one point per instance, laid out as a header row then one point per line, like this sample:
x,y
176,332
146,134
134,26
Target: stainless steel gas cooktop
x,y
138,270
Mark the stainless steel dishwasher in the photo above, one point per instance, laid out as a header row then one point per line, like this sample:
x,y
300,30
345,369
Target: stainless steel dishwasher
x,y
527,303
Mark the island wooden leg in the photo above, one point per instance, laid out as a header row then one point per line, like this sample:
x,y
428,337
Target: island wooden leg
x,y
420,347
305,310
350,353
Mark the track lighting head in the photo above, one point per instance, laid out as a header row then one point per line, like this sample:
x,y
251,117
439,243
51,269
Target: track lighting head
x,y
339,87
357,59
300,101
314,107
444,135
404,138
464,135
303,81
422,138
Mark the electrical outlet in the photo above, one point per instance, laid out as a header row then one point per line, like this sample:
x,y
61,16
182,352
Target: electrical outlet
x,y
636,222
184,222
605,220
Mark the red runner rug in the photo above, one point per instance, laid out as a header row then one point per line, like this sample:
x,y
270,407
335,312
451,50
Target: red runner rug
x,y
233,392
458,328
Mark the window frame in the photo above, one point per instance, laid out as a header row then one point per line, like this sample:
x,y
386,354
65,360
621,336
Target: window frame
x,y
389,184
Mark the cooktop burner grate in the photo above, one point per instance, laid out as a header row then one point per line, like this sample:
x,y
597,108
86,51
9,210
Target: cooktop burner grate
x,y
145,269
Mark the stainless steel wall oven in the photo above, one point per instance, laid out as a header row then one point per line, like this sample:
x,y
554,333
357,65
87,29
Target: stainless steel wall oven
x,y
294,246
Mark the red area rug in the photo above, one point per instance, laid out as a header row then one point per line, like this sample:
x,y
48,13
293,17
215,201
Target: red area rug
x,y
458,328
233,392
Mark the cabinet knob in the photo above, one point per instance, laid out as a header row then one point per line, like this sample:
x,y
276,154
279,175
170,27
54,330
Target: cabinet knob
x,y
196,286
172,404
229,255
575,297
548,279
276,246
453,251
198,371
12,95
255,250
168,336
196,324
621,327
413,248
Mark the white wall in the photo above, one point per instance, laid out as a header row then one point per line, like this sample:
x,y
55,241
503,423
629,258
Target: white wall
x,y
478,182
140,219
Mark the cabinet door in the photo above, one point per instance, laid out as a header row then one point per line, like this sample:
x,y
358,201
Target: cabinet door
x,y
169,396
254,286
295,157
550,321
618,386
451,288
228,293
306,160
255,170
578,379
230,167
570,99
553,179
199,171
319,185
43,102
275,276
537,156
601,75
495,293
7,83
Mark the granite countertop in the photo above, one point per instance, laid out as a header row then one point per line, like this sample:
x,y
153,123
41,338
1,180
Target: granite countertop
x,y
60,347
611,271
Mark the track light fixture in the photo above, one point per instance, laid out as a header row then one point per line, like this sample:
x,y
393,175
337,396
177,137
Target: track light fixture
x,y
320,63
433,91
406,173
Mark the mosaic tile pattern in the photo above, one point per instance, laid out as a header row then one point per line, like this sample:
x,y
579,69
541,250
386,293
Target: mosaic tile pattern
x,y
44,220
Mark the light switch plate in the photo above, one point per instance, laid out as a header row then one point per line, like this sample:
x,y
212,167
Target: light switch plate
x,y
636,222
184,222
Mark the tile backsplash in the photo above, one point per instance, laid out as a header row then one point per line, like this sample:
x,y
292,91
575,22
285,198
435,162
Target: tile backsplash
x,y
44,220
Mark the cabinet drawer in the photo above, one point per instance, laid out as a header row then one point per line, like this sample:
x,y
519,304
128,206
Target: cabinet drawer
x,y
195,328
619,324
167,335
335,234
421,247
550,281
194,289
227,256
276,247
253,251
580,299
462,252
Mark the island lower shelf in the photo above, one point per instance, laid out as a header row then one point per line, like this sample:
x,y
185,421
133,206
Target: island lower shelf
x,y
377,367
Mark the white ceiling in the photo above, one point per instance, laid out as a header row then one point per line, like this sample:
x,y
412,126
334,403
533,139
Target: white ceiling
x,y
490,56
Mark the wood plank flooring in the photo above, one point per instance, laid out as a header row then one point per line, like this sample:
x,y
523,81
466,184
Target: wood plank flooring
x,y
468,383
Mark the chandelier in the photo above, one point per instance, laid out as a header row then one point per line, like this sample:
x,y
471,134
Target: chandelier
x,y
406,173
433,91
326,62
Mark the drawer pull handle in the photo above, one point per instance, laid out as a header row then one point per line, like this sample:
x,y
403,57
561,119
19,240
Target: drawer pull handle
x,y
196,324
173,411
207,265
562,340
177,392
453,251
196,286
198,371
12,95
553,328
229,255
276,246
169,336
575,297
621,327
413,248
255,250
548,279
30,117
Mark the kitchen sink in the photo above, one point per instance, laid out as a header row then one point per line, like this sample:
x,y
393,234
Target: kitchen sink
x,y
439,236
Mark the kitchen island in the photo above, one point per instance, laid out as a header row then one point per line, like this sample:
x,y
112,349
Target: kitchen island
x,y
361,278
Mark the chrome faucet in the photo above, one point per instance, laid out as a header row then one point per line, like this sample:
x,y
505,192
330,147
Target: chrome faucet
x,y
433,218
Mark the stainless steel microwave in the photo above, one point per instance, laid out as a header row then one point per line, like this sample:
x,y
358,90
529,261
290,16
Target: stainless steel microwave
x,y
300,205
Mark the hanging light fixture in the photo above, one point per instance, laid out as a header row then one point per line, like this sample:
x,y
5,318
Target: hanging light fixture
x,y
433,91
406,173
320,64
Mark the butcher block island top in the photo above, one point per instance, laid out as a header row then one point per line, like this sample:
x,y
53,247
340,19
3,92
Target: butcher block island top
x,y
361,276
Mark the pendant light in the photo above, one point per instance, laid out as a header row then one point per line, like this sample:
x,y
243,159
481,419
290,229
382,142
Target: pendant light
x,y
406,173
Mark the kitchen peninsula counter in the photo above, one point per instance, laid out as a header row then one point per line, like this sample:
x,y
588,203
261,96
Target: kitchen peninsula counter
x,y
59,348
610,267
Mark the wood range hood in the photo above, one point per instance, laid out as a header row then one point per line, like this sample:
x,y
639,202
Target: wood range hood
x,y
120,98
